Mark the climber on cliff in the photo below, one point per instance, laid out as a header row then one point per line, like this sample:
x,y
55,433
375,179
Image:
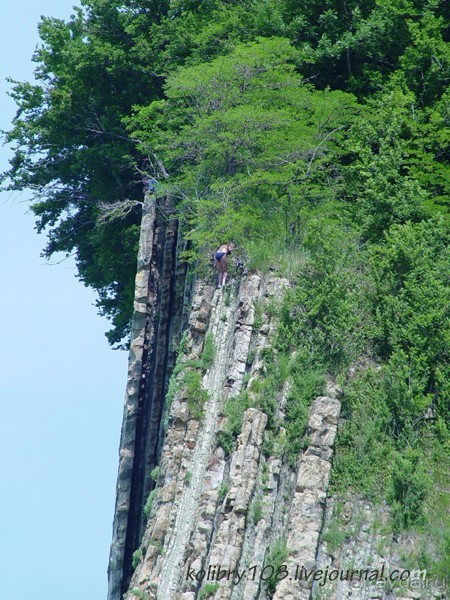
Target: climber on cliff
x,y
220,260
150,185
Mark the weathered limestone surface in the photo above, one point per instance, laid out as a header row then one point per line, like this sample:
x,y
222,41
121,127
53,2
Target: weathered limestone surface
x,y
184,511
214,512
203,512
156,329
308,504
226,548
190,526
368,546
128,435
208,505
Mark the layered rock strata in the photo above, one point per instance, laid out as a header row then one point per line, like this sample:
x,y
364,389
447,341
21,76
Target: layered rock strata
x,y
212,513
186,504
363,559
156,329
243,526
308,504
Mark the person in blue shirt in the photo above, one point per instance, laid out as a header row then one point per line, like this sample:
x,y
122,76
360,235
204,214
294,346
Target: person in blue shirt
x,y
220,260
150,185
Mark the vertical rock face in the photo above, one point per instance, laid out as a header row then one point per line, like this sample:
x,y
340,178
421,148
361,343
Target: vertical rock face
x,y
200,518
185,505
241,525
308,504
156,330
370,564
212,517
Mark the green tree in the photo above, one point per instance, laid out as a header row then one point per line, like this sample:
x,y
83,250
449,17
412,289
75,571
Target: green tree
x,y
411,307
257,138
73,151
248,145
380,190
357,45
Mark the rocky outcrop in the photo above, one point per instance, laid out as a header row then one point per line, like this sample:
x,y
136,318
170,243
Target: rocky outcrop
x,y
214,518
308,505
156,330
229,518
226,548
190,464
362,559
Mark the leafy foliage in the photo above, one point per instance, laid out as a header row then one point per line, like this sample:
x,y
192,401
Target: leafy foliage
x,y
234,411
315,135
196,394
412,308
235,97
149,503
209,351
409,490
246,141
274,559
208,590
73,151
322,316
137,555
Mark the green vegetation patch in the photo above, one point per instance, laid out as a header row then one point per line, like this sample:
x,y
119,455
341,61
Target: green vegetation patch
x,y
234,410
209,351
208,590
262,115
188,374
282,436
288,135
196,394
149,503
137,555
257,509
273,562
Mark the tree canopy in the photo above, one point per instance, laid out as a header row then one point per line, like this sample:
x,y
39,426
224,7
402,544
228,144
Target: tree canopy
x,y
315,135
264,113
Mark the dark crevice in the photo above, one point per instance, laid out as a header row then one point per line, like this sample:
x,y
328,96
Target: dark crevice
x,y
163,328
144,410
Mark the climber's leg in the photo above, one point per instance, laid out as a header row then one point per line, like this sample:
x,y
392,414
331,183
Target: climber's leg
x,y
223,270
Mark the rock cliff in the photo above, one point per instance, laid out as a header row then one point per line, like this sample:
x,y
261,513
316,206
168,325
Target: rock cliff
x,y
158,321
200,514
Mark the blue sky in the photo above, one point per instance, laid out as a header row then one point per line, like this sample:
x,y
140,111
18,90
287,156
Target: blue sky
x,y
61,388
